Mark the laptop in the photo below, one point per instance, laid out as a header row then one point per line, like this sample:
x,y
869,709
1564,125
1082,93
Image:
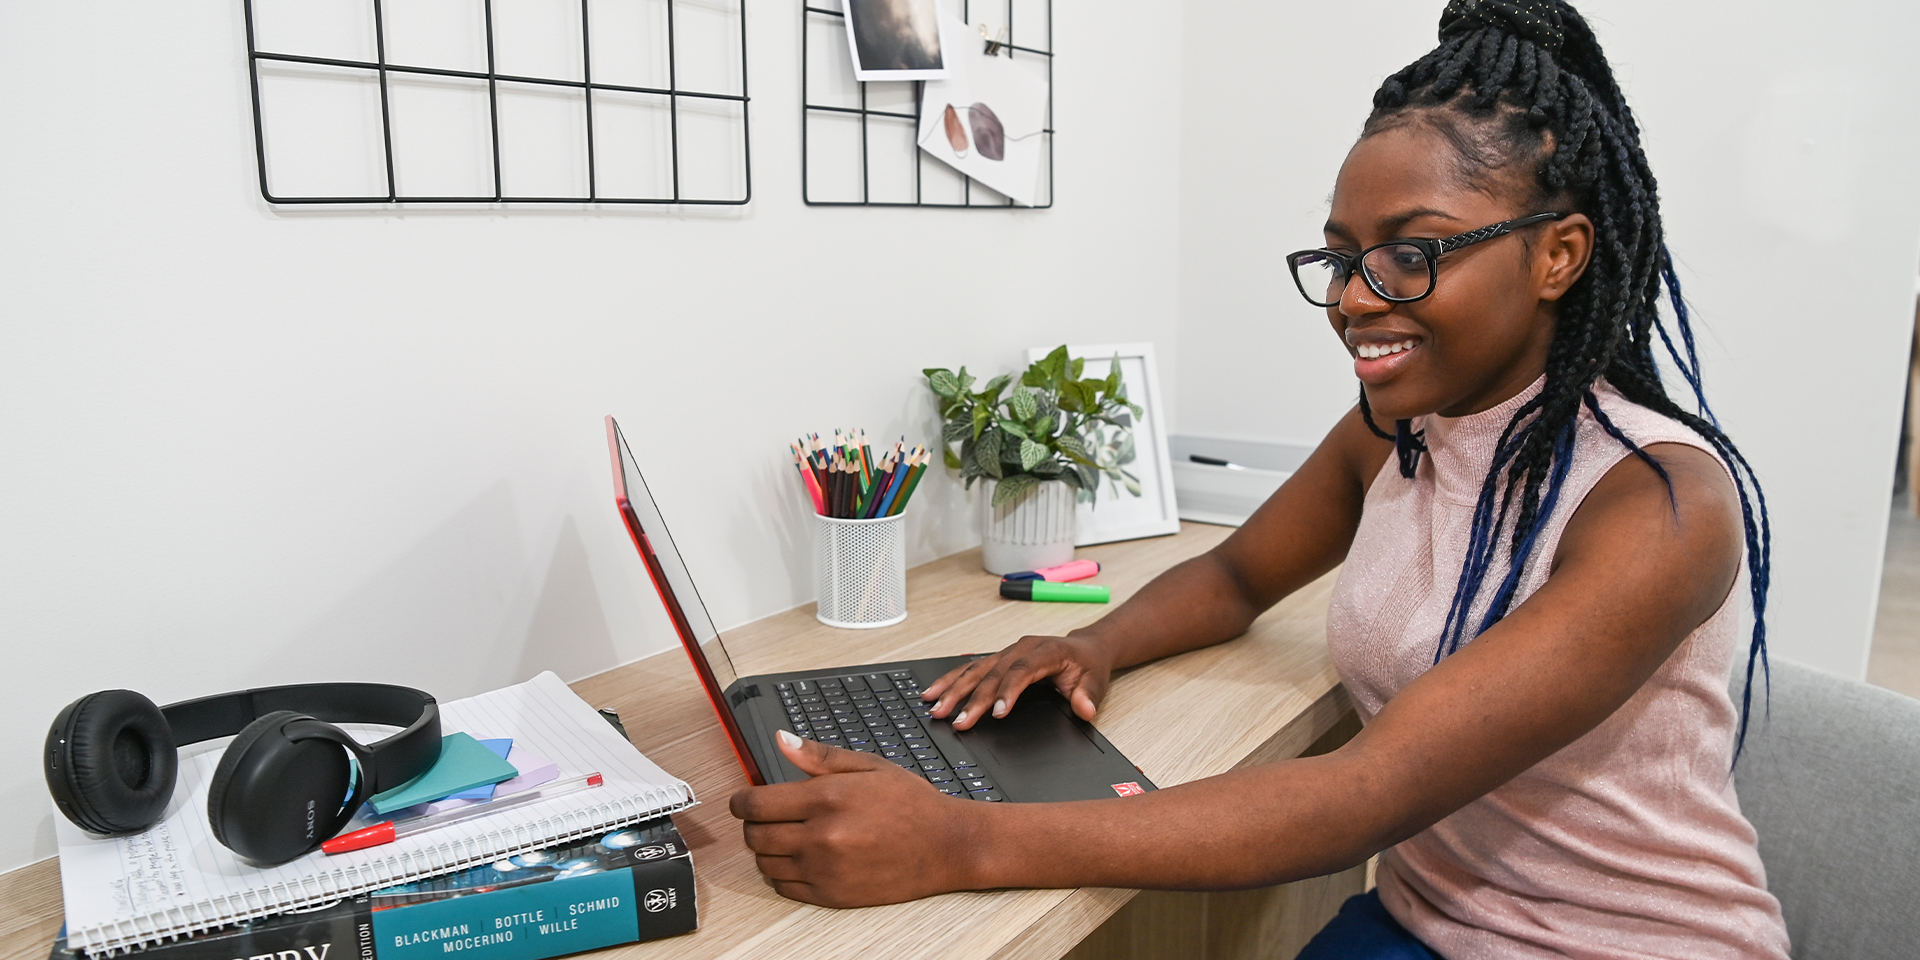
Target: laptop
x,y
1040,751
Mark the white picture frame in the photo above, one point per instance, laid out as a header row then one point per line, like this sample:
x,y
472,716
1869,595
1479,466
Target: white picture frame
x,y
1154,513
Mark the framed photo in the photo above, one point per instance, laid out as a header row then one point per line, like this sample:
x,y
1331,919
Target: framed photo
x,y
1116,514
895,39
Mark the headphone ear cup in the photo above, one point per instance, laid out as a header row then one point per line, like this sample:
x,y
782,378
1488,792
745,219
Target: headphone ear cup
x,y
217,790
111,762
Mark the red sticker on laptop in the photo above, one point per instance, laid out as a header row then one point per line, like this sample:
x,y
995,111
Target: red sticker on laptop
x,y
1129,789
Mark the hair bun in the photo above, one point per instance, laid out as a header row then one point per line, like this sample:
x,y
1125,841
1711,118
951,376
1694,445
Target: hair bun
x,y
1538,21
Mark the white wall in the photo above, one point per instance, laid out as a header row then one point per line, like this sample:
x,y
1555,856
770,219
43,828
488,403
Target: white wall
x,y
1785,140
246,445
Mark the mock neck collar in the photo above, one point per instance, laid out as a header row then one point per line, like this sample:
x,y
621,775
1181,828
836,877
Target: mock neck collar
x,y
1460,449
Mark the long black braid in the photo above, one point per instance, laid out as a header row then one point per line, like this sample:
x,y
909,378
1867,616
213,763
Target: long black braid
x,y
1523,83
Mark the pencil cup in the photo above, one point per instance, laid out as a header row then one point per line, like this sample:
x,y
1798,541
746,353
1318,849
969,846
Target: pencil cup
x,y
860,568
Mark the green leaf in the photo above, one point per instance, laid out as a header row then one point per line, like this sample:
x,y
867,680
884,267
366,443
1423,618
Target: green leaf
x,y
1010,452
1031,454
1076,368
1126,451
952,459
990,394
1074,449
955,430
1089,482
1056,362
1133,486
1049,469
1013,488
986,453
1071,478
966,380
1023,405
1113,377
1013,428
944,383
982,415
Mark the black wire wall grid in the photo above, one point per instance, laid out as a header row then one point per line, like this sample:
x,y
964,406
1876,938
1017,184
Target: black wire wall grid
x,y
676,99
968,194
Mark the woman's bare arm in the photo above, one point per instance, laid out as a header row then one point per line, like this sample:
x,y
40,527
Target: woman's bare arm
x,y
1635,573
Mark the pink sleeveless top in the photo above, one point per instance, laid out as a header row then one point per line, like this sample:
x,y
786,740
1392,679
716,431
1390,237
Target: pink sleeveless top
x,y
1627,842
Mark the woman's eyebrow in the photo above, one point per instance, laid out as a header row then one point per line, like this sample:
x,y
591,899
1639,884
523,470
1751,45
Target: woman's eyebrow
x,y
1391,224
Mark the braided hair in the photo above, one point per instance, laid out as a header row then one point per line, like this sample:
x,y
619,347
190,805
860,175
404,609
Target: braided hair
x,y
1521,87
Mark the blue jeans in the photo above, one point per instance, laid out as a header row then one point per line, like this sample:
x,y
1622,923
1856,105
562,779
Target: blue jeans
x,y
1364,930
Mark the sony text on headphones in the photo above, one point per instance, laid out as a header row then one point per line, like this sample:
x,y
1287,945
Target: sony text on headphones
x,y
285,783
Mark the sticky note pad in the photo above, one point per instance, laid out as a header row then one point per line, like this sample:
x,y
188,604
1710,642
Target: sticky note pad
x,y
534,771
500,748
463,765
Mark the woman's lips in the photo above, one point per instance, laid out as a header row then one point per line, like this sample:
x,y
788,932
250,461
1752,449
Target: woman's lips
x,y
1375,363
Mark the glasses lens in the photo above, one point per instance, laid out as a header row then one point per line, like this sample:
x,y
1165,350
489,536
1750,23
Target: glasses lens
x,y
1398,270
1321,276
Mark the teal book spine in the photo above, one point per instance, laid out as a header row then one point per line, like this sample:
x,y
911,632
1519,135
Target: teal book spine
x,y
533,922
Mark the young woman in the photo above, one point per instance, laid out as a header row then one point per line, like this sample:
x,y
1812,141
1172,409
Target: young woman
x,y
1537,614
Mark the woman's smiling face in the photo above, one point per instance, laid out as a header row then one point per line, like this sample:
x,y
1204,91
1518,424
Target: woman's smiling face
x,y
1482,335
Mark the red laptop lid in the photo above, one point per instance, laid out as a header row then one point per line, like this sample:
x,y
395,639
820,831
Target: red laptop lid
x,y
675,585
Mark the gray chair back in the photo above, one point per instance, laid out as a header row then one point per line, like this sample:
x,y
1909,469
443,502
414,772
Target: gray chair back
x,y
1830,779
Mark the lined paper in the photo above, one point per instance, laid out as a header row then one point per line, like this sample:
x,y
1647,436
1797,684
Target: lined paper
x,y
174,878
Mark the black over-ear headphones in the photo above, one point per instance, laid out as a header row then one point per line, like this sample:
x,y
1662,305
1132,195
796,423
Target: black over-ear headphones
x,y
281,788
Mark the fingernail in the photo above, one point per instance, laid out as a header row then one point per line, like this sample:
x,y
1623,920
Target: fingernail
x,y
999,708
789,739
961,717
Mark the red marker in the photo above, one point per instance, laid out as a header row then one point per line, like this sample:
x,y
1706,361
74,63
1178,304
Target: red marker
x,y
393,830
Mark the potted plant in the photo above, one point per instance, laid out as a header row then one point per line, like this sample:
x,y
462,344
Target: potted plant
x,y
1041,442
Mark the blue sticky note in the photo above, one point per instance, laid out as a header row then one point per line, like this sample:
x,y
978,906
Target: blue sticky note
x,y
463,765
500,747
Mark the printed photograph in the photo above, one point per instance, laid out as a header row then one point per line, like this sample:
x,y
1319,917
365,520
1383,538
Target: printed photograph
x,y
895,39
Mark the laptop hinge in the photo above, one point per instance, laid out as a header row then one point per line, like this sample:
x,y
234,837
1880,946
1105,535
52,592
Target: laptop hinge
x,y
745,693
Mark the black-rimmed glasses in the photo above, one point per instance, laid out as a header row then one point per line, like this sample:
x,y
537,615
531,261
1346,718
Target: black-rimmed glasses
x,y
1400,271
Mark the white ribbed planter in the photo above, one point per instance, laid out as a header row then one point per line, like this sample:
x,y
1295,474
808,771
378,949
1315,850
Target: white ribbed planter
x,y
1032,532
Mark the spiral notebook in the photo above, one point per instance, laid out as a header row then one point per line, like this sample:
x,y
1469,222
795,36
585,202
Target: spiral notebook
x,y
174,879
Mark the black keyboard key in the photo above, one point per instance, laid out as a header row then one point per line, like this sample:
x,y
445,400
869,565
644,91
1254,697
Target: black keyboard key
x,y
994,796
904,764
889,740
901,674
829,737
828,684
893,753
862,747
803,687
870,713
887,697
878,682
811,698
951,790
940,778
960,763
853,683
977,783
924,754
783,686
932,765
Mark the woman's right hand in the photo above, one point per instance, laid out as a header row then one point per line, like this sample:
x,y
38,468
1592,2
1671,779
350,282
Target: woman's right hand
x,y
1080,667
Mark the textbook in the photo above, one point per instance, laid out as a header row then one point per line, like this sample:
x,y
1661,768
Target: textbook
x,y
626,886
174,879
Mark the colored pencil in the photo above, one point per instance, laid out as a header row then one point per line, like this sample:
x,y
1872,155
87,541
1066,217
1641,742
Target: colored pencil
x,y
847,479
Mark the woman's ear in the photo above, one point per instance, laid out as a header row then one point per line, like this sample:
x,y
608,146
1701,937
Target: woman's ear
x,y
1562,254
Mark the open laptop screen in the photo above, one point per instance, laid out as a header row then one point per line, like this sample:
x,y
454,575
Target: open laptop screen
x,y
669,572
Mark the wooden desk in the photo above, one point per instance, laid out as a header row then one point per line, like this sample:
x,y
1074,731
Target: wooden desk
x,y
1267,695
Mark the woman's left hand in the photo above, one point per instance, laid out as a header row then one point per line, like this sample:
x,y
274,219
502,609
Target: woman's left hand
x,y
861,831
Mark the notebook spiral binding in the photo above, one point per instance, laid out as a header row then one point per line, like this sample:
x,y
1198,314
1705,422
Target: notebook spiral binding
x,y
124,937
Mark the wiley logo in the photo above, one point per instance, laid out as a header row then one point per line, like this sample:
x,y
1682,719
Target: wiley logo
x,y
658,900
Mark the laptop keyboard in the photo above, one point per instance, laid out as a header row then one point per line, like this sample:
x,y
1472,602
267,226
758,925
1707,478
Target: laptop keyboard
x,y
882,713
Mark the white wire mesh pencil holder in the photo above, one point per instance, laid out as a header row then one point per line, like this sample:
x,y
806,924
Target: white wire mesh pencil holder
x,y
860,570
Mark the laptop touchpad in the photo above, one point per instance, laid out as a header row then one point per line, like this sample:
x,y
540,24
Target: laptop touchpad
x,y
1039,731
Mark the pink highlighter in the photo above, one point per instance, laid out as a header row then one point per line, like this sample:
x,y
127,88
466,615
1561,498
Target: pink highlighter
x,y
1074,570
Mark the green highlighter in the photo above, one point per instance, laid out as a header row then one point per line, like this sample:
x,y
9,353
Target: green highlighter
x,y
1053,592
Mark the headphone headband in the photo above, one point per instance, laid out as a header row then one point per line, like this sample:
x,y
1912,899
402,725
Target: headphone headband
x,y
413,749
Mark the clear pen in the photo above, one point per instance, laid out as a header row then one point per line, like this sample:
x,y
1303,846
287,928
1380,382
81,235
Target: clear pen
x,y
393,830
